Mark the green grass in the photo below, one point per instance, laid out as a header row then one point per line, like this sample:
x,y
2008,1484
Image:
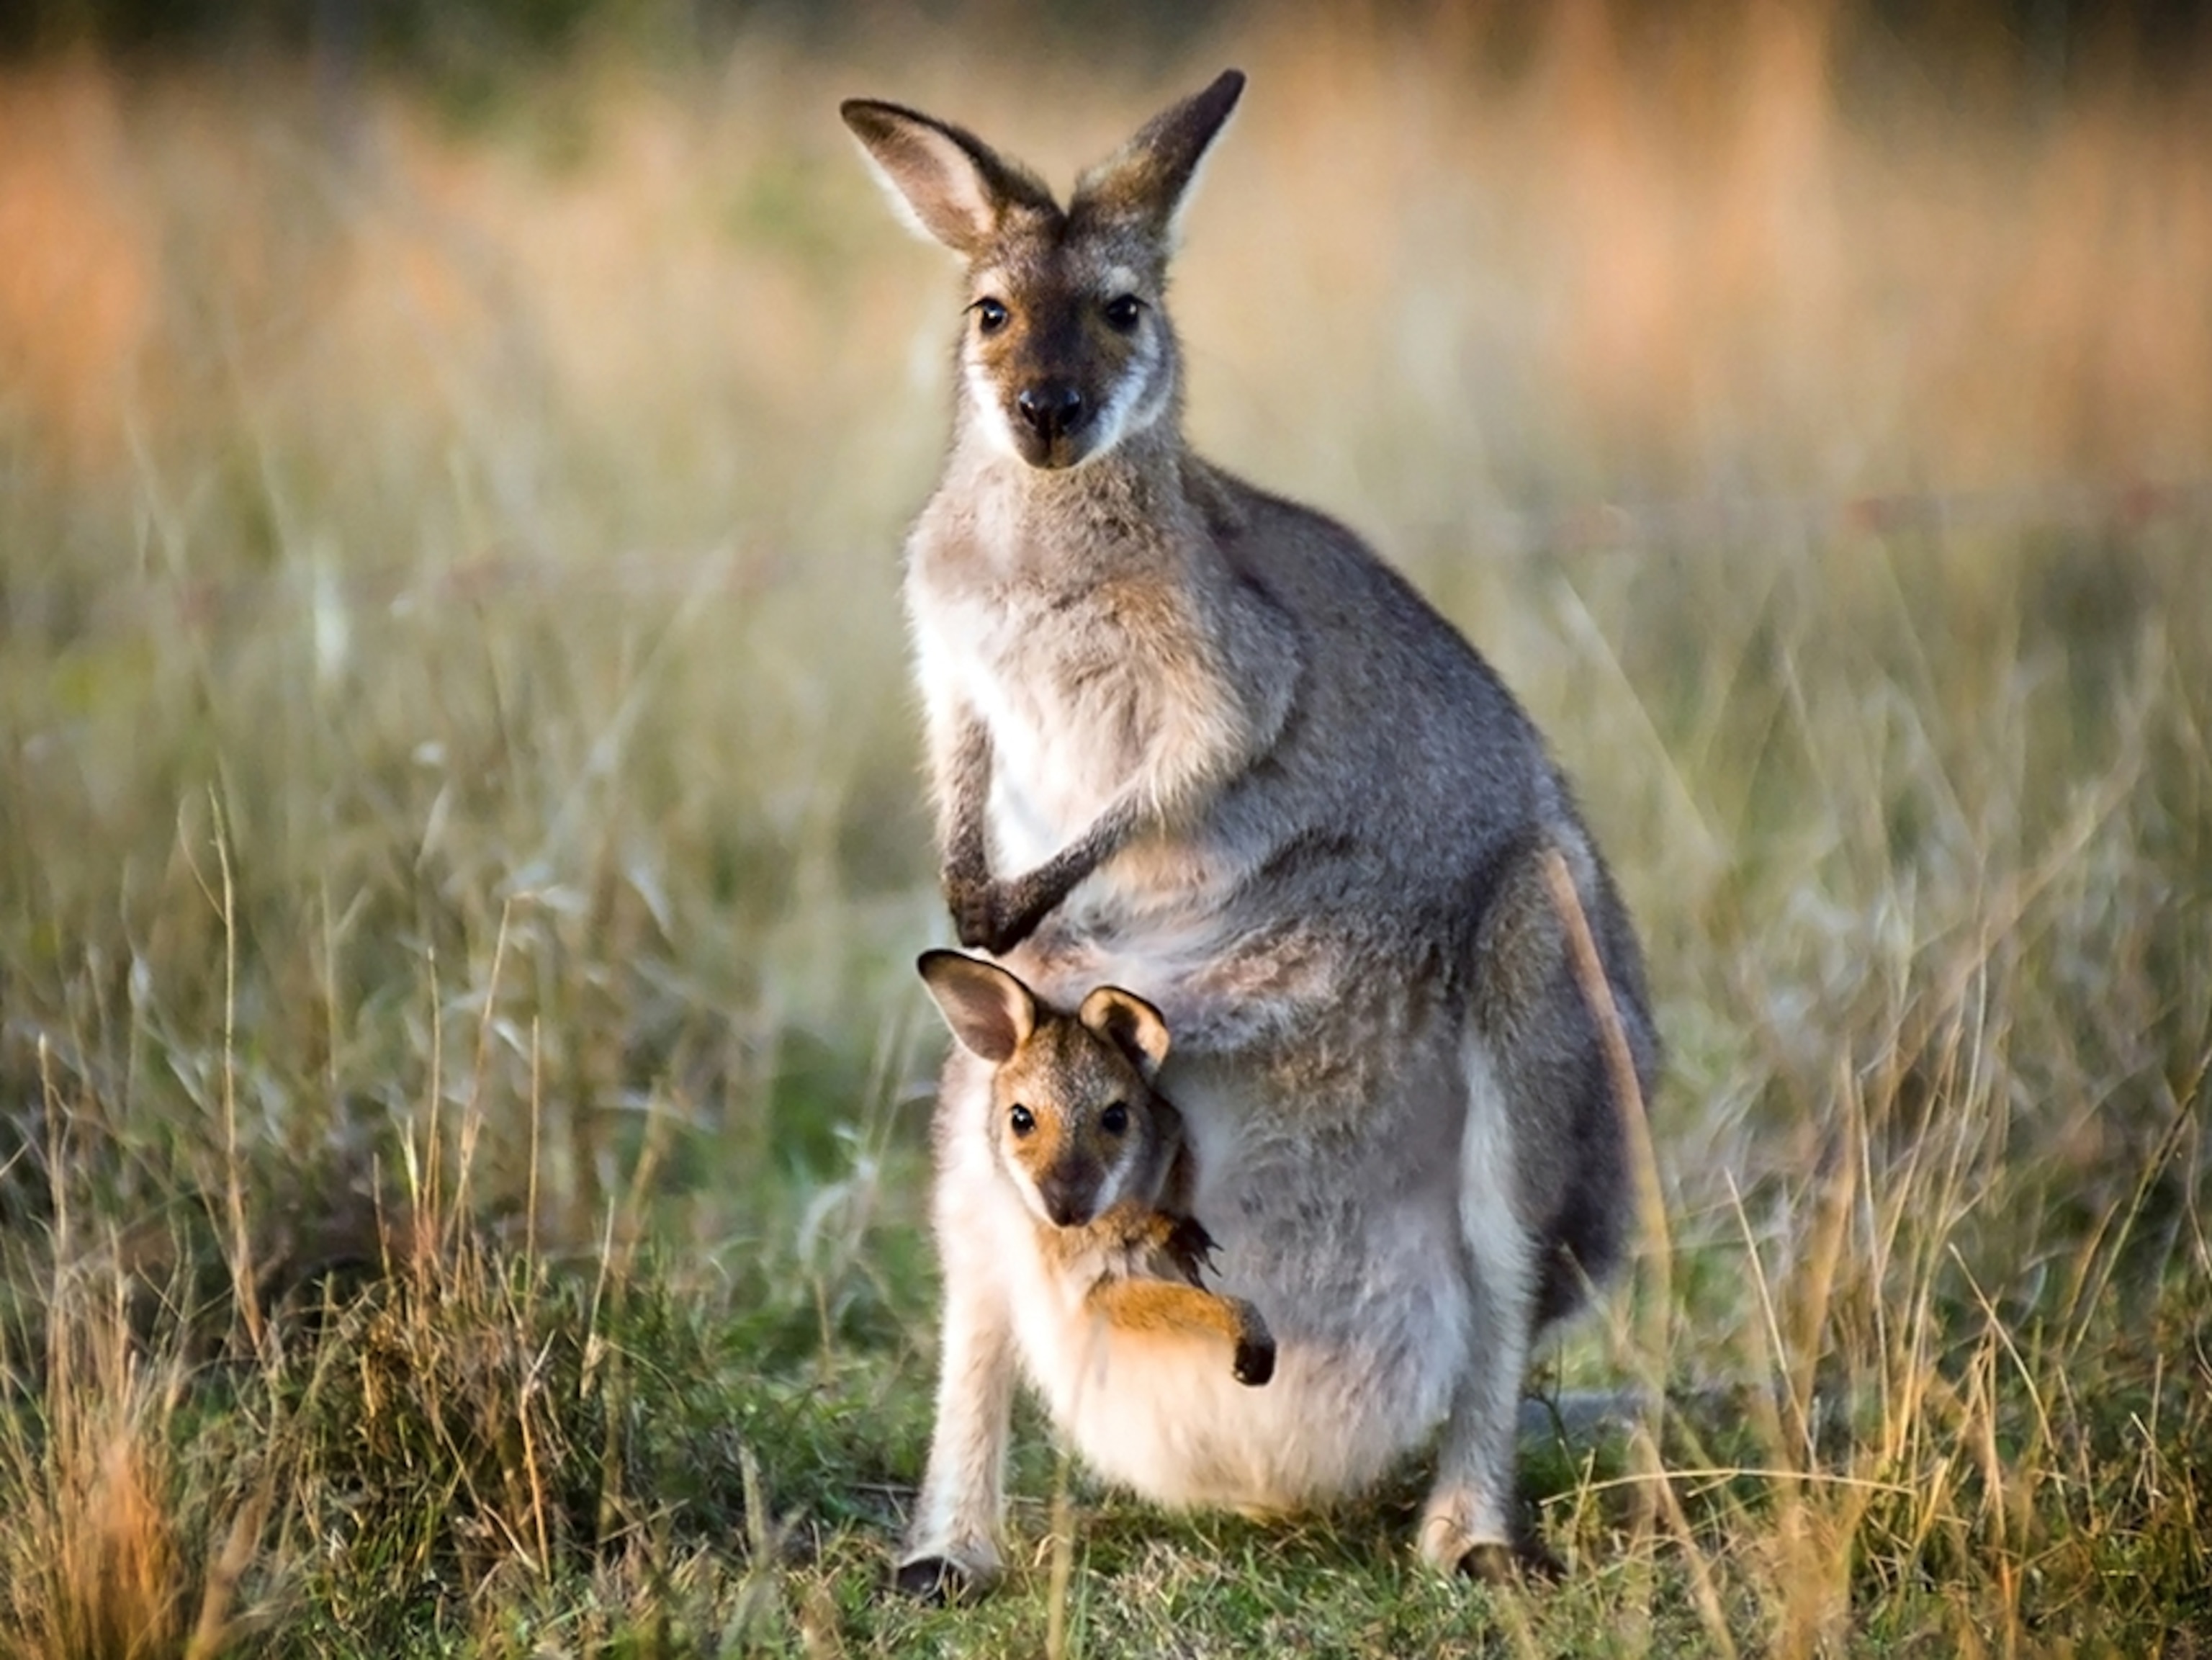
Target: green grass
x,y
462,1084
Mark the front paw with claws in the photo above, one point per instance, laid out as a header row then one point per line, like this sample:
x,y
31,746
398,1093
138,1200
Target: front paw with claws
x,y
994,917
1188,1245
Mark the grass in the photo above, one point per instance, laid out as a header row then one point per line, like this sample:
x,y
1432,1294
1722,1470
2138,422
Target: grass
x,y
461,1082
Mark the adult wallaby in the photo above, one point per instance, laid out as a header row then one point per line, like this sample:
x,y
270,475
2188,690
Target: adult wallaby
x,y
1190,739
1085,1178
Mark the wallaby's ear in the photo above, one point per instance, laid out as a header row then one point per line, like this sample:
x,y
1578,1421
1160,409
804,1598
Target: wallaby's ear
x,y
1130,1025
947,183
990,1011
1149,178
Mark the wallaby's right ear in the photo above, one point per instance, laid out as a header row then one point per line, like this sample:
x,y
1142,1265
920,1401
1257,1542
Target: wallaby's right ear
x,y
990,1011
947,183
1149,178
1130,1025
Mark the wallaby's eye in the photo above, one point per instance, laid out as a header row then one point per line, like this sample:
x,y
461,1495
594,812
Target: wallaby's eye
x,y
991,315
1021,1121
1122,312
1115,1120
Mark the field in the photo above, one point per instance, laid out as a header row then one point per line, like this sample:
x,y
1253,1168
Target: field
x,y
462,1079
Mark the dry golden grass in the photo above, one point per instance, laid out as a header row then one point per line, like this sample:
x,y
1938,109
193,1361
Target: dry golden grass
x,y
460,852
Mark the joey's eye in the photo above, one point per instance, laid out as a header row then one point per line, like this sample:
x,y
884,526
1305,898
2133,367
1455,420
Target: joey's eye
x,y
1115,1120
991,315
1122,312
1021,1121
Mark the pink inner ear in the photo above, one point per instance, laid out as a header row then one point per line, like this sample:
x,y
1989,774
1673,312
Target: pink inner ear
x,y
990,1011
1128,1023
935,186
990,1040
944,182
985,1025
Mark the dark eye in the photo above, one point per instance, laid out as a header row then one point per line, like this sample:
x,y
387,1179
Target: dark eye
x,y
1115,1119
991,315
1021,1121
1122,313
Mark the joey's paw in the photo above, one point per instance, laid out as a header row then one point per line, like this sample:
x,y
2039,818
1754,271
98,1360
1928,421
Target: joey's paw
x,y
937,1579
1191,1246
1255,1360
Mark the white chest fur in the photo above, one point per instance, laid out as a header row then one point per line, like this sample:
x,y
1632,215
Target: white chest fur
x,y
1080,708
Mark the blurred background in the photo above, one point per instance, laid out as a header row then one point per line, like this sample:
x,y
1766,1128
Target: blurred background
x,y
453,458
461,810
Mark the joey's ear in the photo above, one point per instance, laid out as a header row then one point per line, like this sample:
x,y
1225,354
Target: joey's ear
x,y
1130,1025
990,1011
1149,178
947,183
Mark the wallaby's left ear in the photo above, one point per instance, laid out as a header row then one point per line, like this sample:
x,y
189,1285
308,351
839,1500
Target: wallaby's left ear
x,y
991,1013
1130,1025
1149,178
946,182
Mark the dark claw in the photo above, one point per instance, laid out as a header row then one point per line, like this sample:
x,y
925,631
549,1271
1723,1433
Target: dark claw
x,y
931,1579
991,916
1255,1360
974,920
1191,1246
1491,1562
1537,1564
1524,1562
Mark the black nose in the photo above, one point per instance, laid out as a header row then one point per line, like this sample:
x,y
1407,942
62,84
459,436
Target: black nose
x,y
1051,408
1066,1200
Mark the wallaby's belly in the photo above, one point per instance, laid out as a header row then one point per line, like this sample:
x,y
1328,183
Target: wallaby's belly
x,y
1359,1379
1355,1260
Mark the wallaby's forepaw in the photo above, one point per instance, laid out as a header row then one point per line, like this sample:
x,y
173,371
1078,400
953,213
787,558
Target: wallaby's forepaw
x,y
938,1579
994,917
1255,1360
973,906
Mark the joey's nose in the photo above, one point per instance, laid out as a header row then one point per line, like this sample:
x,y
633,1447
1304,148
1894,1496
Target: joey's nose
x,y
1051,409
1066,1201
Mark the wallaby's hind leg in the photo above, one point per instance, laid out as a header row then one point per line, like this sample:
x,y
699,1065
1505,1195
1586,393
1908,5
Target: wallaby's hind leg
x,y
1161,1305
952,1546
1541,1190
1468,1523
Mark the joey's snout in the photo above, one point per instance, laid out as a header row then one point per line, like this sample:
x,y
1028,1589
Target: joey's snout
x,y
1070,1198
1050,413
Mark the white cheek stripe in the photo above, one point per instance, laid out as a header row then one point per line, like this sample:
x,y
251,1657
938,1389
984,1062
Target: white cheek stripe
x,y
1139,399
1116,1186
983,402
1018,1179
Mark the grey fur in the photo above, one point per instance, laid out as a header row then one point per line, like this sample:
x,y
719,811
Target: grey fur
x,y
1194,739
